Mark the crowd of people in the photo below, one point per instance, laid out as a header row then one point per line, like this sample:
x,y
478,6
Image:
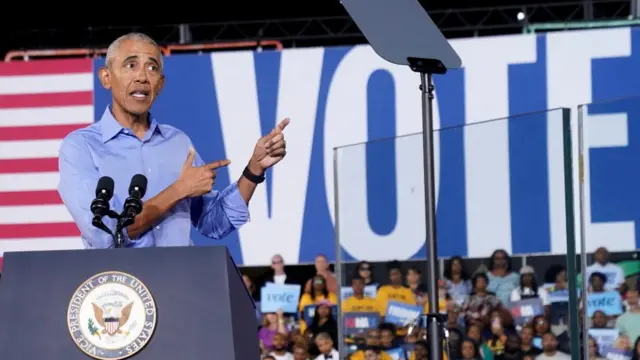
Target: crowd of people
x,y
493,313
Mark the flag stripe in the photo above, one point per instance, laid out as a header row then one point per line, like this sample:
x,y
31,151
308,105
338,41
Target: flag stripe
x,y
39,230
29,181
38,244
42,84
29,149
46,100
32,214
47,67
42,197
8,166
38,132
61,115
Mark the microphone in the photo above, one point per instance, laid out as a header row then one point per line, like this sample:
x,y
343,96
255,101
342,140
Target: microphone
x,y
137,189
104,193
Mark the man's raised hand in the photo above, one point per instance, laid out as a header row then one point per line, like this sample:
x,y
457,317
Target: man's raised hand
x,y
198,180
270,149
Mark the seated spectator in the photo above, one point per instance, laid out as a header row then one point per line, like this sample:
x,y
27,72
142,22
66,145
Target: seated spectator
x,y
629,322
594,351
480,302
363,270
526,343
278,275
600,320
540,327
300,351
387,336
512,349
395,291
457,280
414,277
279,349
550,348
454,343
319,293
372,341
323,269
359,302
597,282
502,278
501,327
324,322
421,351
272,324
529,288
612,271
469,350
325,344
474,332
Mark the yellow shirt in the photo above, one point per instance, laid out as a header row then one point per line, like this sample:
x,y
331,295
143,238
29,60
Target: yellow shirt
x,y
444,356
306,300
388,293
355,305
442,306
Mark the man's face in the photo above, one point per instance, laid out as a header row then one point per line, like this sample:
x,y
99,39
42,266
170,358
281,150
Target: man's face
x,y
601,255
358,286
632,297
277,264
373,338
395,276
299,353
134,76
279,342
549,342
324,346
386,338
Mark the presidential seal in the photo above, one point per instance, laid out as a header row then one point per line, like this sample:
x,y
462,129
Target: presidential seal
x,y
111,316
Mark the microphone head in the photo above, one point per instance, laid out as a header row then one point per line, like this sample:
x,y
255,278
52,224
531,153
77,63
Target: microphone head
x,y
105,186
139,184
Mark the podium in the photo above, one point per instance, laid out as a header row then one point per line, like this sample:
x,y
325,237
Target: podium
x,y
186,303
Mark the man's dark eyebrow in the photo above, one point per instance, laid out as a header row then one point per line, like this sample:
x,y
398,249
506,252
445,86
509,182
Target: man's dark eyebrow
x,y
131,57
152,59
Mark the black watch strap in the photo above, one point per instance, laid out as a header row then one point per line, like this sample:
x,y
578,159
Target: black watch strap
x,y
256,179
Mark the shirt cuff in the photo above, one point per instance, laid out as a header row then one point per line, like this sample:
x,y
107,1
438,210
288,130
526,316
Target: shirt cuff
x,y
234,206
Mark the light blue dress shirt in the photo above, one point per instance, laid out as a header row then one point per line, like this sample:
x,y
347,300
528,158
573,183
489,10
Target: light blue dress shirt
x,y
105,148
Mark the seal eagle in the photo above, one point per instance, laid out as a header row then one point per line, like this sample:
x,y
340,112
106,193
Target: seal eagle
x,y
112,322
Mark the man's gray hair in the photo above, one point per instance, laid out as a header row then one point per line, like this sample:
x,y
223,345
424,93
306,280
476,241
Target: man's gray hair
x,y
111,51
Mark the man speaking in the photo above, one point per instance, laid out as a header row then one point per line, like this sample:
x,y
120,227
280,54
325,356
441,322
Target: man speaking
x,y
128,140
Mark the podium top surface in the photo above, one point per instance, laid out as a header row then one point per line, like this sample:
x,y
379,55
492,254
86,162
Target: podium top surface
x,y
401,29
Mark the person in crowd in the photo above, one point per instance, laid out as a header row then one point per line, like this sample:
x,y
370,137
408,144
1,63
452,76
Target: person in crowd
x,y
359,302
469,350
635,352
502,278
300,351
272,324
421,351
323,269
454,320
324,321
612,271
550,348
251,288
474,332
600,320
414,277
529,288
526,343
457,280
325,344
480,303
629,322
372,341
594,351
364,270
500,327
279,349
319,293
387,336
454,343
558,276
540,327
512,349
395,291
277,275
597,282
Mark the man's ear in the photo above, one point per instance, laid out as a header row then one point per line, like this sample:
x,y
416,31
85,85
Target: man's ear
x,y
105,77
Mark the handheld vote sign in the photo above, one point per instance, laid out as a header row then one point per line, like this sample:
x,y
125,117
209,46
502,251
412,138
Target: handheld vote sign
x,y
359,322
608,302
525,310
402,314
275,297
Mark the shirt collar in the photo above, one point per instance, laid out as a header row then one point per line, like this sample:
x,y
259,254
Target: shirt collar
x,y
110,127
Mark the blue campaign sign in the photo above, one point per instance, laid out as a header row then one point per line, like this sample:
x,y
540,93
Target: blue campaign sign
x,y
604,338
617,354
309,312
608,302
524,310
369,290
402,314
279,297
359,322
396,353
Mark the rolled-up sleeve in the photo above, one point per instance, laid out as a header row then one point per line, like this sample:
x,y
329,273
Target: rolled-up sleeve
x,y
219,213
77,186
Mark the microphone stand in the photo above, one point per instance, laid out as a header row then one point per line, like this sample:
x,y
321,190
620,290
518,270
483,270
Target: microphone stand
x,y
122,221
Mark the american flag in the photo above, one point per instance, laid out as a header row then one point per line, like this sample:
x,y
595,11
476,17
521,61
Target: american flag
x,y
40,103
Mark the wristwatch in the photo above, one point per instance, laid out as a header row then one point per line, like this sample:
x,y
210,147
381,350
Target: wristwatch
x,y
256,179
